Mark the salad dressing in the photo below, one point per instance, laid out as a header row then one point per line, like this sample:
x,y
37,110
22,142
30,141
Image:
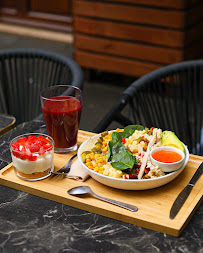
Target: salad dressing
x,y
167,156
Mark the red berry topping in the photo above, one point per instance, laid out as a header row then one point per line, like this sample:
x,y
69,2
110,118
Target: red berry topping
x,y
26,148
34,147
47,146
43,140
21,140
32,138
33,158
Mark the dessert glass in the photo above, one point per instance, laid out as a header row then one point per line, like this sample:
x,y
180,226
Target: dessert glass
x,y
32,155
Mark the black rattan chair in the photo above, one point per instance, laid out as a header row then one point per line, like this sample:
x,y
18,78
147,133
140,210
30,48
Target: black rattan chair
x,y
170,98
25,72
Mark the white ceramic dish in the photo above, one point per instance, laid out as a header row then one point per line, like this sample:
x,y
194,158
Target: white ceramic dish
x,y
125,184
168,167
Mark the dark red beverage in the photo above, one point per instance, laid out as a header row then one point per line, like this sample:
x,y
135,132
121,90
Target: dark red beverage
x,y
62,117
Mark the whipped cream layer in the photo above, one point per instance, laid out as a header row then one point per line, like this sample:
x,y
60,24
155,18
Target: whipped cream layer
x,y
43,163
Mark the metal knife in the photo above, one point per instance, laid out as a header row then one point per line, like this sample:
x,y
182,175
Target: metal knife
x,y
180,200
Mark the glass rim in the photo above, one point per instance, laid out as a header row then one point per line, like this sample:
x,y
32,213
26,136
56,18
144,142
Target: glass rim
x,y
62,86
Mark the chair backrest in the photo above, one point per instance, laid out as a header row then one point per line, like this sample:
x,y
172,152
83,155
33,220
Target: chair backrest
x,y
170,98
25,72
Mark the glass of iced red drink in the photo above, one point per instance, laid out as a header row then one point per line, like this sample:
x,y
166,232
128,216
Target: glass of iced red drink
x,y
61,106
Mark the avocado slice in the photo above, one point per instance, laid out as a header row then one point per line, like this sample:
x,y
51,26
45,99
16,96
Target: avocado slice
x,y
170,139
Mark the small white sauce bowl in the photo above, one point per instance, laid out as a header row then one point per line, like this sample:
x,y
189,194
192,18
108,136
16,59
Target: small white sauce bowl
x,y
168,167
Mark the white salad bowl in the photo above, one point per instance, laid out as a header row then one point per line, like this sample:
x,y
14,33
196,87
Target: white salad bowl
x,y
128,184
168,167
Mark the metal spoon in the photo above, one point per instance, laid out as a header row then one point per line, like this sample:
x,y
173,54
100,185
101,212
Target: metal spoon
x,y
80,190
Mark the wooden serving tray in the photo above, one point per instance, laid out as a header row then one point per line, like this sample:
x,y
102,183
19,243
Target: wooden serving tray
x,y
153,205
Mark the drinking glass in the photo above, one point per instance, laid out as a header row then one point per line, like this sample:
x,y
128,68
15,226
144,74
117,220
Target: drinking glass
x,y
61,106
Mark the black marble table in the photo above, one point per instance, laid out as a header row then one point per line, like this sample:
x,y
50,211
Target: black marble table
x,y
32,224
6,123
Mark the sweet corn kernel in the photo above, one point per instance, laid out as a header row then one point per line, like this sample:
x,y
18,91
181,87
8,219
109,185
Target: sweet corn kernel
x,y
88,163
104,149
92,156
87,156
99,160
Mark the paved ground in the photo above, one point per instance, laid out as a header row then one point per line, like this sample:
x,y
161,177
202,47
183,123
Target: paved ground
x,y
100,91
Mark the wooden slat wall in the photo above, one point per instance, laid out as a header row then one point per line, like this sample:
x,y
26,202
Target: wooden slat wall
x,y
127,49
175,4
129,13
115,64
129,32
134,37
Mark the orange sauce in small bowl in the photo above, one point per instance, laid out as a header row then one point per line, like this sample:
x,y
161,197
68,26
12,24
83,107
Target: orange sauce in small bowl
x,y
167,156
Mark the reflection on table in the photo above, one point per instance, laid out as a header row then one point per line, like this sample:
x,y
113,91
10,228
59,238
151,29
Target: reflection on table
x,y
30,223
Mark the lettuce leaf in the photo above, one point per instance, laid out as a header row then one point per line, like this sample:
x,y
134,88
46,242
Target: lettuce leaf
x,y
118,155
129,130
123,160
